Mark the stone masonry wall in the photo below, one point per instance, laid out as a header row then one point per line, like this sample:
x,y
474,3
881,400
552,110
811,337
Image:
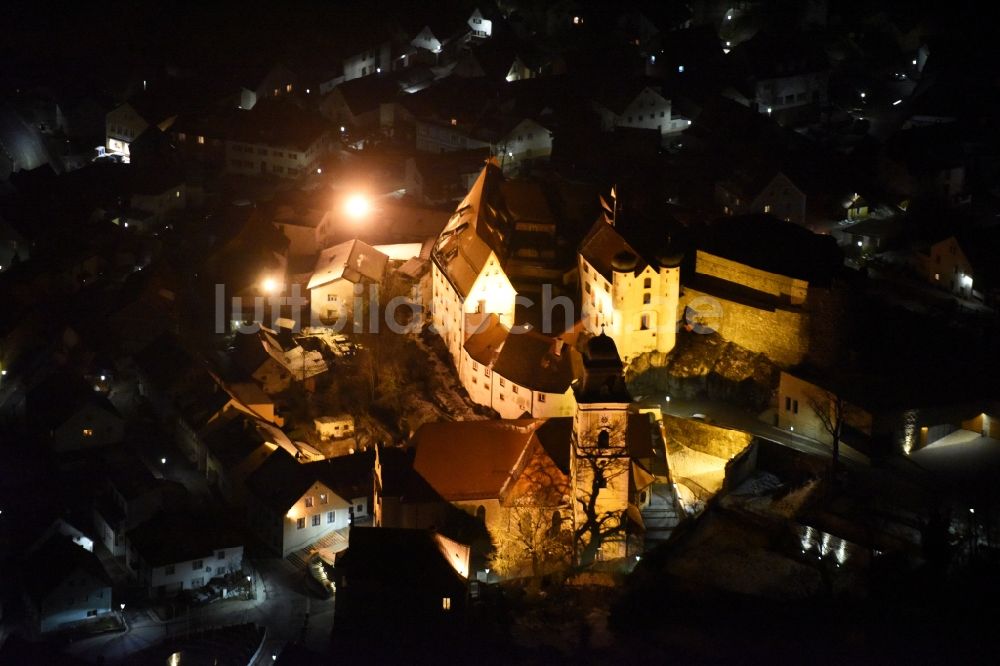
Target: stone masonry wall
x,y
781,335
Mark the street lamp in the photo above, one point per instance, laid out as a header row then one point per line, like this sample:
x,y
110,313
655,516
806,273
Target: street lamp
x,y
357,206
270,285
121,606
163,461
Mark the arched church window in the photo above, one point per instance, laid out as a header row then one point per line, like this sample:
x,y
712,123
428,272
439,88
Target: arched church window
x,y
603,439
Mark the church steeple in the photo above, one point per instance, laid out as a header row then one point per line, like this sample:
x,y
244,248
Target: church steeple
x,y
603,379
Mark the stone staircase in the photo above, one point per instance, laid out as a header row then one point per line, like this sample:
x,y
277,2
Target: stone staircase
x,y
660,517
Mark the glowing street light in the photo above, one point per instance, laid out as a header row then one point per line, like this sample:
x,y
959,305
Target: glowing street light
x,y
270,285
357,206
163,461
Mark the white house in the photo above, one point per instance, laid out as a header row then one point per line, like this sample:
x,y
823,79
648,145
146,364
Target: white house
x,y
518,373
468,280
174,552
72,415
340,271
335,427
277,139
64,586
649,109
125,122
289,508
525,142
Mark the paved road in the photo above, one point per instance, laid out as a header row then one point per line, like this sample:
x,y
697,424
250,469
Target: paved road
x,y
282,607
728,416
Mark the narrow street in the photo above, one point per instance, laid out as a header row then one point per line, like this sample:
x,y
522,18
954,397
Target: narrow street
x,y
283,608
728,416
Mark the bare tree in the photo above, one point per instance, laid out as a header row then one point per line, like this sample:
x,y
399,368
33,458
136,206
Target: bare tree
x,y
833,412
534,535
601,461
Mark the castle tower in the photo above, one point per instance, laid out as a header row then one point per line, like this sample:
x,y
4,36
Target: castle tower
x,y
599,457
669,263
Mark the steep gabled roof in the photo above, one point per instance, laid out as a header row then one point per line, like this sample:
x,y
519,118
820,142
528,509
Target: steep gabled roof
x,y
471,459
530,360
55,561
603,244
167,538
481,225
352,260
280,481
404,556
349,476
52,402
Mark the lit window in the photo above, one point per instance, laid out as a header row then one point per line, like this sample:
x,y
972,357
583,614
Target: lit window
x,y
201,139
446,603
767,208
288,88
88,432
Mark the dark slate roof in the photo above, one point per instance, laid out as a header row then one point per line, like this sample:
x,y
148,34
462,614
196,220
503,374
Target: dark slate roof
x,y
232,438
56,560
555,436
167,538
52,402
132,479
603,373
529,359
164,361
349,476
280,481
770,54
368,92
399,479
405,556
280,124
